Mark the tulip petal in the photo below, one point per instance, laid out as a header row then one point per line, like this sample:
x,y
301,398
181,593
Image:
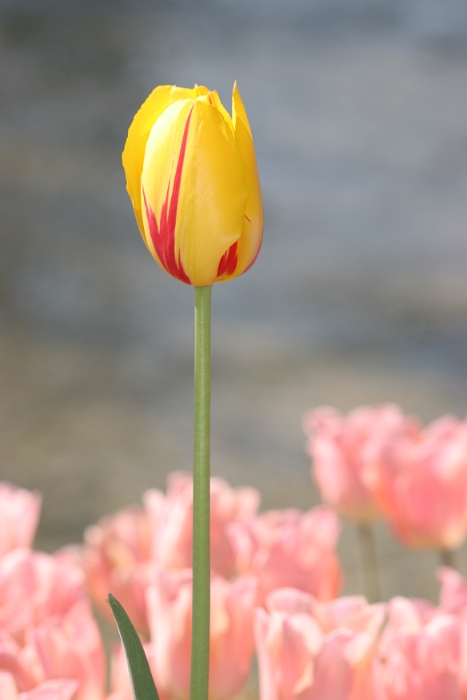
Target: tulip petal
x,y
209,188
135,146
250,243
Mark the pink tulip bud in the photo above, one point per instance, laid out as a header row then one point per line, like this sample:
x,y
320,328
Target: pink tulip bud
x,y
19,515
337,446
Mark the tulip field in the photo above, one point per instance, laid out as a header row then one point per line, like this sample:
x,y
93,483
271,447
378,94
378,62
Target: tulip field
x,y
275,580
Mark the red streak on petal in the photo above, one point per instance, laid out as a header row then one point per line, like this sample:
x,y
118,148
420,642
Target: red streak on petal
x,y
228,262
163,236
253,260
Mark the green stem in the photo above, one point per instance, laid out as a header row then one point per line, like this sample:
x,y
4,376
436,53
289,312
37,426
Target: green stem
x,y
368,562
201,497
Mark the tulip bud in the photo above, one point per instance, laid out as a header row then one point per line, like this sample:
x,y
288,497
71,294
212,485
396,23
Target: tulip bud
x,y
193,182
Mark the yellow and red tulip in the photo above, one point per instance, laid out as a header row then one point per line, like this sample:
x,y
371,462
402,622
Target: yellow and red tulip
x,y
193,182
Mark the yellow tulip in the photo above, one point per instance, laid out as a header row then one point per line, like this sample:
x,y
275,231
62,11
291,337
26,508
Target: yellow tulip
x,y
193,182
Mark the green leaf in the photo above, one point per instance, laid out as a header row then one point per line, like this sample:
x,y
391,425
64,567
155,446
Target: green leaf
x,y
142,681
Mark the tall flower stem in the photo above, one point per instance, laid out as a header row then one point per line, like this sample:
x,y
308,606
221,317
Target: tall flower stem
x,y
201,497
368,562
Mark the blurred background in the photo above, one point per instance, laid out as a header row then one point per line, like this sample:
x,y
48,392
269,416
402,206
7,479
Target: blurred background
x,y
359,296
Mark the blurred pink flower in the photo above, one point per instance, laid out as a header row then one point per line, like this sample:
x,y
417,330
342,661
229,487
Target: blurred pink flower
x,y
419,654
336,445
291,548
116,557
171,520
120,548
299,659
231,651
71,647
19,515
47,632
419,478
34,586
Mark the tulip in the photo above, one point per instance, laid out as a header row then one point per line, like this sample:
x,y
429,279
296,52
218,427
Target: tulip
x,y
47,631
299,659
419,478
231,633
419,654
172,521
71,647
337,444
193,182
290,548
19,515
34,586
116,558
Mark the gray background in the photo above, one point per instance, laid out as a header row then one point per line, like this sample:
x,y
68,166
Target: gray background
x,y
359,296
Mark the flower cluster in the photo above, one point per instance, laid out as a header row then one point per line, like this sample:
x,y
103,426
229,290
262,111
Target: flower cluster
x,y
345,650
274,582
50,646
376,461
143,557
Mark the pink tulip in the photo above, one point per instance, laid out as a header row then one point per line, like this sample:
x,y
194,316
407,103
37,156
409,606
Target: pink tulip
x,y
47,631
299,660
171,519
291,548
419,478
19,515
231,644
116,558
71,647
34,586
337,445
120,548
419,654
